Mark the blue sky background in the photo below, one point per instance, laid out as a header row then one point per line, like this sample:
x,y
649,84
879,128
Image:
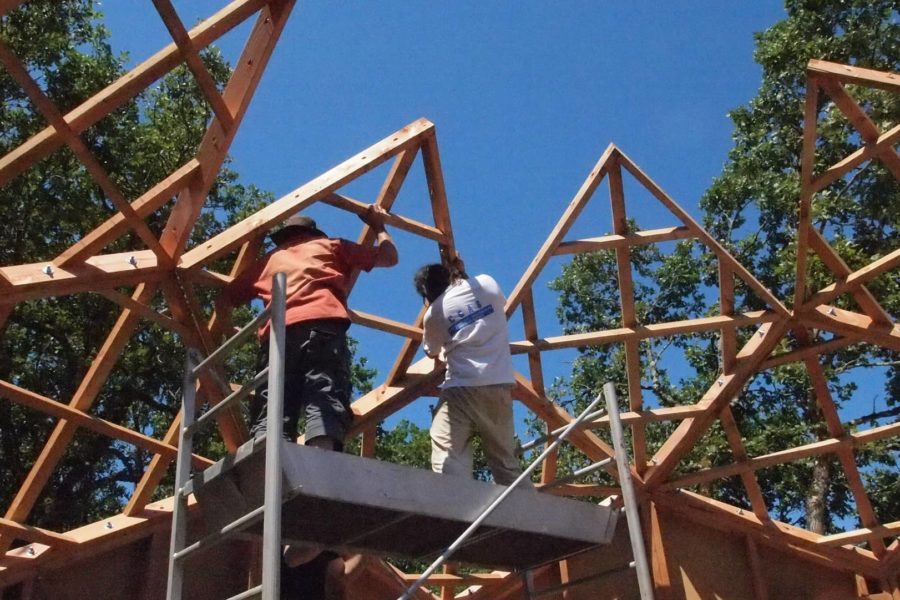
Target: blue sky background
x,y
525,96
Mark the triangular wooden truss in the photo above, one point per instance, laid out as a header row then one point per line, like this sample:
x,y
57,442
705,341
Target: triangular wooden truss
x,y
168,266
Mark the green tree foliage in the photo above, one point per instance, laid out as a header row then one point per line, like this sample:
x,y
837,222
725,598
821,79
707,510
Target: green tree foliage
x,y
752,209
48,345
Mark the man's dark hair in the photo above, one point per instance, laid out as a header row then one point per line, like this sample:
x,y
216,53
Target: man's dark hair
x,y
431,281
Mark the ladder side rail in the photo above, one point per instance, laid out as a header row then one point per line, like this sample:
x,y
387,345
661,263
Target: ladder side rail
x,y
271,551
493,505
232,342
645,583
175,581
236,396
235,526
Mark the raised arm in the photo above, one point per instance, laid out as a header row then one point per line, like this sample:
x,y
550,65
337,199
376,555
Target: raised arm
x,y
387,251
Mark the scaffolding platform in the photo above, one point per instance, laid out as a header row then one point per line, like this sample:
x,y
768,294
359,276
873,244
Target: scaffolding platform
x,y
371,506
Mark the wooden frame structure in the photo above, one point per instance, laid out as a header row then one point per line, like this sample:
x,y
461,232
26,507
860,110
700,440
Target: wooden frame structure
x,y
168,265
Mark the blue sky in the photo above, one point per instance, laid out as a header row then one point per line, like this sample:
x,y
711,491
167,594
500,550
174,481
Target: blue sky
x,y
525,97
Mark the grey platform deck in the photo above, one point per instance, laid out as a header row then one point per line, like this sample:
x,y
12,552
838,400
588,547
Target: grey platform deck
x,y
371,506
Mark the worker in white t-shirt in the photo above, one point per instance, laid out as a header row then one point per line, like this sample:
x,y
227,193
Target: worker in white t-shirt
x,y
465,327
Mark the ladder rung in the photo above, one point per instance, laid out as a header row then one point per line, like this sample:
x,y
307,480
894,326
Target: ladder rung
x,y
232,527
251,593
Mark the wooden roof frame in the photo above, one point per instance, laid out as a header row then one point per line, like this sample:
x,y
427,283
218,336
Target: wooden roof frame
x,y
169,267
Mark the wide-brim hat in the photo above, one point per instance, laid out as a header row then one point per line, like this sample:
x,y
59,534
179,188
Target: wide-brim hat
x,y
294,226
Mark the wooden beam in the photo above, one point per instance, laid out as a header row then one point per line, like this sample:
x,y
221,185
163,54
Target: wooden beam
x,y
115,226
556,416
643,332
849,74
437,193
400,222
384,324
126,87
849,323
748,478
627,240
887,139
529,320
306,195
102,272
49,111
723,390
807,164
853,280
812,350
145,311
629,318
215,143
36,535
867,302
868,131
723,255
83,399
860,535
190,55
582,197
659,564
96,424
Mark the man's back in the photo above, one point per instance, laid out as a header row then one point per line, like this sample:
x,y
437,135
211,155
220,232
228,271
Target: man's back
x,y
468,322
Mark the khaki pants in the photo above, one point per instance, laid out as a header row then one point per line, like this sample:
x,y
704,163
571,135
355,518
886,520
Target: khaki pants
x,y
464,411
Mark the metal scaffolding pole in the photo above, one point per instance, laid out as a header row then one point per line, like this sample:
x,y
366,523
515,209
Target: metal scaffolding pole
x,y
632,517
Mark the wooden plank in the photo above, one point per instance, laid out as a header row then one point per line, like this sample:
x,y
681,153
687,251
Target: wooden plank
x,y
102,272
868,131
215,143
771,534
631,239
728,349
582,490
397,221
860,535
388,399
760,588
748,478
406,355
37,535
887,139
556,416
83,399
629,319
723,255
855,279
643,332
807,164
724,389
49,111
831,259
114,227
535,368
884,80
306,195
659,564
77,417
437,193
123,89
384,324
582,197
145,311
204,79
846,322
812,350
452,579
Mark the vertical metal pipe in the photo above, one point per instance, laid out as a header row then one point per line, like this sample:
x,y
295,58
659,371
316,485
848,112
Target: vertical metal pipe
x,y
645,584
493,505
271,551
175,580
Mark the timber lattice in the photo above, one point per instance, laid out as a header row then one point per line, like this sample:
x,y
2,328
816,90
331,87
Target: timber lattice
x,y
166,264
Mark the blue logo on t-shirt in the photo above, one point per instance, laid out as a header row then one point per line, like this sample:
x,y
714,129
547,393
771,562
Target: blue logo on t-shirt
x,y
471,318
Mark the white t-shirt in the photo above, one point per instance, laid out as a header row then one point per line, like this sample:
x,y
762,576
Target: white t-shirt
x,y
467,325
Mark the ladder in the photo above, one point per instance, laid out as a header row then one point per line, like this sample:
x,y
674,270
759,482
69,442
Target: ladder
x,y
270,511
632,517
